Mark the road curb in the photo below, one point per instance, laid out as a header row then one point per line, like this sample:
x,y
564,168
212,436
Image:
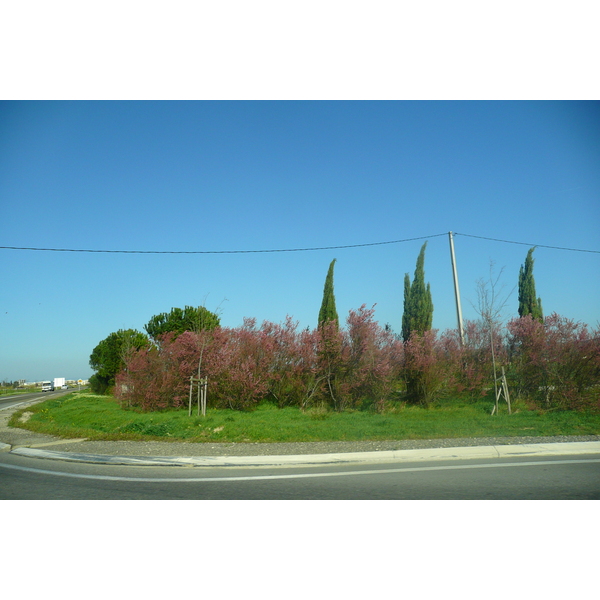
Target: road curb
x,y
418,455
5,447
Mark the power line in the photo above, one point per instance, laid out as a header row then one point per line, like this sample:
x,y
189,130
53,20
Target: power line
x,y
425,237
223,251
527,244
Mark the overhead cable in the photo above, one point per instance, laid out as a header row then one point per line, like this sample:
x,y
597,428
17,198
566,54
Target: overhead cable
x,y
425,237
224,251
527,244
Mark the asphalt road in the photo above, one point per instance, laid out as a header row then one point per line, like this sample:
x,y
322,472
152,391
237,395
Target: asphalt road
x,y
14,400
523,478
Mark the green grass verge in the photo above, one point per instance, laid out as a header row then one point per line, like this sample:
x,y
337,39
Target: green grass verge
x,y
101,418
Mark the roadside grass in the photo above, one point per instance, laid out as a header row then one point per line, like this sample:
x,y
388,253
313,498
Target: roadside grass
x,y
85,415
14,392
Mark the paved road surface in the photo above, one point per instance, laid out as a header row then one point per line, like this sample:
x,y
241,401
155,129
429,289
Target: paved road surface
x,y
14,400
569,477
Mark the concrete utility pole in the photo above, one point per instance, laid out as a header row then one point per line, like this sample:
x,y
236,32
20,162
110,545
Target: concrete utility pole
x,y
456,291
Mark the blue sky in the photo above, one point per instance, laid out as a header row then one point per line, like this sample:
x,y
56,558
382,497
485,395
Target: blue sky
x,y
229,176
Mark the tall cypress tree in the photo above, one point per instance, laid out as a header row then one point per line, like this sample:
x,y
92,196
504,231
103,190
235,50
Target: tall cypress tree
x,y
529,303
418,306
328,311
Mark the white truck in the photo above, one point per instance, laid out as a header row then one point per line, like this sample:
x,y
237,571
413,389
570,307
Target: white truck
x,y
60,383
47,386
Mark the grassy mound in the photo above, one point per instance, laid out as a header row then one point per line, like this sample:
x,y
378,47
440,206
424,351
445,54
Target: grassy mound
x,y
102,418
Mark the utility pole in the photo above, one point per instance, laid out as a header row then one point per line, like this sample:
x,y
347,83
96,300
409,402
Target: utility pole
x,y
456,291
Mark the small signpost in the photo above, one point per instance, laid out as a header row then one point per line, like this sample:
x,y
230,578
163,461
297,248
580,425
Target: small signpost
x,y
202,385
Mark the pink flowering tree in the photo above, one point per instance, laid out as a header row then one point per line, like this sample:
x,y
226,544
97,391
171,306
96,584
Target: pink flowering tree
x,y
374,360
243,365
292,362
330,384
474,361
236,364
555,363
157,378
426,372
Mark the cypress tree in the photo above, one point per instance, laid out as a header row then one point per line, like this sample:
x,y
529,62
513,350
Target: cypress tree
x,y
529,303
328,311
418,306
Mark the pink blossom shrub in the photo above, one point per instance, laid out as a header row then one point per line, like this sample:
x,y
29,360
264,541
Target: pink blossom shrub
x,y
244,365
555,363
427,372
292,362
374,360
473,363
358,367
158,378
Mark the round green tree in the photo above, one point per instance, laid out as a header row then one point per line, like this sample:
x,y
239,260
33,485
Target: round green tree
x,y
179,320
108,357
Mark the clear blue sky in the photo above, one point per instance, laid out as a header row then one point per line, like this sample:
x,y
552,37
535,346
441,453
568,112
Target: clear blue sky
x,y
213,176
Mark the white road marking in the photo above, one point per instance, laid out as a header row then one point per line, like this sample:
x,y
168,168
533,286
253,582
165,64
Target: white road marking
x,y
297,475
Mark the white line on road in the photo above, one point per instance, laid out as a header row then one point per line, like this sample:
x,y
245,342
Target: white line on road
x,y
298,475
